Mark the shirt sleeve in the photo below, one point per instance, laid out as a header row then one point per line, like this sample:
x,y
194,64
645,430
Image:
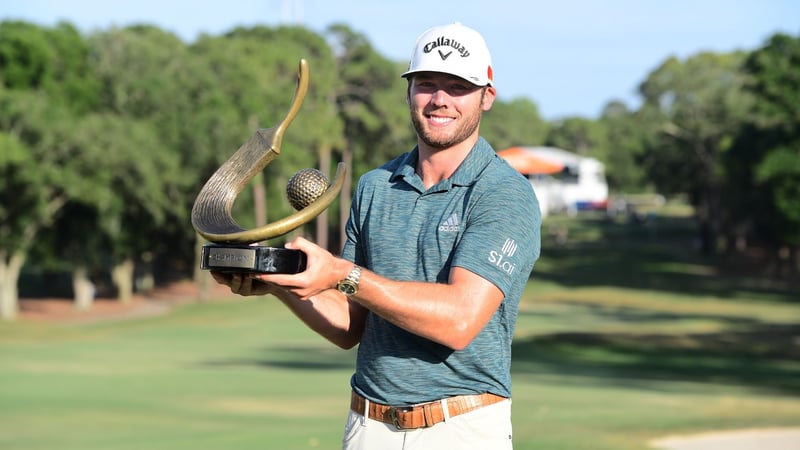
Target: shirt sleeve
x,y
501,241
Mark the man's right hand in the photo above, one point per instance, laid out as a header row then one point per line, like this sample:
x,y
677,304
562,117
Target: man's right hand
x,y
244,284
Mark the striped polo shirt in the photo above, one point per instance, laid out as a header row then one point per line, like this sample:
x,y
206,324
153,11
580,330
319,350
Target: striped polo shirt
x,y
484,218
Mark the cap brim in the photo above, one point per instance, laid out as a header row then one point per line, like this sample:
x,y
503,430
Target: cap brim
x,y
412,72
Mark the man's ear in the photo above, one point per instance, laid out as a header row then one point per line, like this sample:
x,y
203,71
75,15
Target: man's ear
x,y
489,95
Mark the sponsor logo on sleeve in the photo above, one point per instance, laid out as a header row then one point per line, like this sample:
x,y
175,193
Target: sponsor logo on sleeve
x,y
502,259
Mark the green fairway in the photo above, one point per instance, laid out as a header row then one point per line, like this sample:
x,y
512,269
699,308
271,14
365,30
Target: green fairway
x,y
228,374
624,335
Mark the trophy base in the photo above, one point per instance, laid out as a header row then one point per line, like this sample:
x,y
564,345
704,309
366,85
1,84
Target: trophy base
x,y
251,259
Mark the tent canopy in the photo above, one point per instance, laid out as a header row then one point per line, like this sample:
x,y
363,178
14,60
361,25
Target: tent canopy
x,y
527,163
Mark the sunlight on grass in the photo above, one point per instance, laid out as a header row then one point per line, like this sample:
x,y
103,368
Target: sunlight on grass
x,y
622,337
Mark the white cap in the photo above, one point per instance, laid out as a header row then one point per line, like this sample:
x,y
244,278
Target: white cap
x,y
454,49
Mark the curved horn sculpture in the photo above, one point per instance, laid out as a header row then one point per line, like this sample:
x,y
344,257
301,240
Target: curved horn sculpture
x,y
211,213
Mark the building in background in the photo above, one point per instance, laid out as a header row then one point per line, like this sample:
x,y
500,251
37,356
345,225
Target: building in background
x,y
564,182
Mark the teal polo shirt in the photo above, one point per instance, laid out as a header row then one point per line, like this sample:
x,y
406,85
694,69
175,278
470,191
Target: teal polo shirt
x,y
484,218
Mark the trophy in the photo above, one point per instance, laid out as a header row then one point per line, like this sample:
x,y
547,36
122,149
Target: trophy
x,y
232,248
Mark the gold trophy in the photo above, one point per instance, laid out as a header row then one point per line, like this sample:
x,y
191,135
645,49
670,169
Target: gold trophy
x,y
231,247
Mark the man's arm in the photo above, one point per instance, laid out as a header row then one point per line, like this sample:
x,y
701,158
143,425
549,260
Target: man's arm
x,y
451,314
329,313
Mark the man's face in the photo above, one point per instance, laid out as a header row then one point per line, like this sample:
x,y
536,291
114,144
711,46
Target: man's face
x,y
446,110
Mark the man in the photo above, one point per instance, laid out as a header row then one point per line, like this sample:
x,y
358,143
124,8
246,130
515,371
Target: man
x,y
440,244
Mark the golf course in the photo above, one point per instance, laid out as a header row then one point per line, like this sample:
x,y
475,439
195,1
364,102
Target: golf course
x,y
626,334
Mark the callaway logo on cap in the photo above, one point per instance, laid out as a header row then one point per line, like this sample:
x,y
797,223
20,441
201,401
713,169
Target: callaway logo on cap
x,y
454,49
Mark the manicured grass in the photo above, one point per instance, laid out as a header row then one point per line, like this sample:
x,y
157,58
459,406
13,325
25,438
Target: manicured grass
x,y
228,374
624,335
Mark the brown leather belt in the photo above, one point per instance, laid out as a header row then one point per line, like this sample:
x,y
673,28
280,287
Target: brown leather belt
x,y
423,415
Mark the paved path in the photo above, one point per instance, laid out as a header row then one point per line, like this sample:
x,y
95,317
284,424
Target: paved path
x,y
759,439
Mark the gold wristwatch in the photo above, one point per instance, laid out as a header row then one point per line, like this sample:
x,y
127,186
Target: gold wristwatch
x,y
349,286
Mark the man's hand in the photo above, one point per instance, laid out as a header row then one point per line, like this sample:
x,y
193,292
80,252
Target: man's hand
x,y
244,284
330,313
323,271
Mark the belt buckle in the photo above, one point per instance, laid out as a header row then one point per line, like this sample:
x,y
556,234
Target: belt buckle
x,y
393,414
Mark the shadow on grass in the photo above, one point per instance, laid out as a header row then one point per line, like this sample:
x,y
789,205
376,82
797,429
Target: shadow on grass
x,y
659,256
760,356
623,314
293,358
654,256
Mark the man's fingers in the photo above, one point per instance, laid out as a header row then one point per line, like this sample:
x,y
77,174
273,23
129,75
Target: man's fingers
x,y
241,284
220,277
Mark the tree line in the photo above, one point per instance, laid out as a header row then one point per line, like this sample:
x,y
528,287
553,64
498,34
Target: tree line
x,y
106,138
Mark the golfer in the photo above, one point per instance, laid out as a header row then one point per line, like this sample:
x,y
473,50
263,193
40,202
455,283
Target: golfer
x,y
440,244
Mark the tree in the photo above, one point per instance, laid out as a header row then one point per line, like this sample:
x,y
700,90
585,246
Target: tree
x,y
127,182
695,109
148,78
44,84
370,99
52,61
625,144
514,123
580,135
766,156
27,204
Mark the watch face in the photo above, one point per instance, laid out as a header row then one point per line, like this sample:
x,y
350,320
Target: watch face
x,y
347,288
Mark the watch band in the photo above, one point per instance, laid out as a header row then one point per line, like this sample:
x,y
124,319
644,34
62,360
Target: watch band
x,y
349,286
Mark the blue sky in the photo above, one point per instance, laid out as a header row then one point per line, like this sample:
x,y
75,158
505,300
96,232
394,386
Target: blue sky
x,y
569,56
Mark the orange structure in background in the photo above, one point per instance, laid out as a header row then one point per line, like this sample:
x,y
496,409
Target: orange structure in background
x,y
529,164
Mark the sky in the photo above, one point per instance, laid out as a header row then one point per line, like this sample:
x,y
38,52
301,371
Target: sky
x,y
570,57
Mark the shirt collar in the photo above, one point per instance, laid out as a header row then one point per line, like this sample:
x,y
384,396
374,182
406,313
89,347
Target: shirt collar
x,y
478,158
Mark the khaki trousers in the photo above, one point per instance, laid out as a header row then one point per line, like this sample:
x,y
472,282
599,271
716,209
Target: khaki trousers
x,y
485,428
